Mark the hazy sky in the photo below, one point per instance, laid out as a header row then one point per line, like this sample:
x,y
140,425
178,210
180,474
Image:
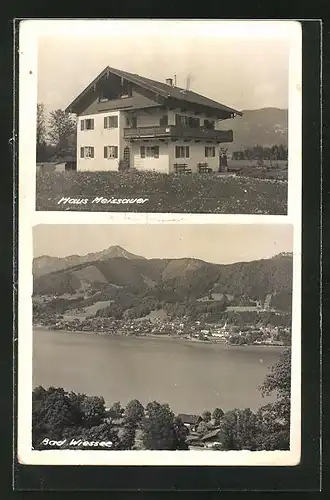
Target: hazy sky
x,y
245,72
218,243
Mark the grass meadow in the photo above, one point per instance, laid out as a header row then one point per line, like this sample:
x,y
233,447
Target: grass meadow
x,y
174,193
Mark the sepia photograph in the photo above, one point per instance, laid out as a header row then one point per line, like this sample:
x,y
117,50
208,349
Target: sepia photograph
x,y
162,116
162,337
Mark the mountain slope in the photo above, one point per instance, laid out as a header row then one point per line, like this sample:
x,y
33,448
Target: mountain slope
x,y
45,264
264,127
171,279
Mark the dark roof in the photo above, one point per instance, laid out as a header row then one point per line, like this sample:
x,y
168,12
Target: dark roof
x,y
163,89
189,419
212,434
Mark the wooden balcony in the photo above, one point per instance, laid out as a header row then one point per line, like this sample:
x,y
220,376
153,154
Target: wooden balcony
x,y
176,132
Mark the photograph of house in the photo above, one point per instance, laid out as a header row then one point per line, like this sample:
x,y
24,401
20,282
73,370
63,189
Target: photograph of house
x,y
147,125
189,126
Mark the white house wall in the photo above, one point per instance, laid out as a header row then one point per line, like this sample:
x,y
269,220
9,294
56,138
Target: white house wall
x,y
196,155
98,138
160,164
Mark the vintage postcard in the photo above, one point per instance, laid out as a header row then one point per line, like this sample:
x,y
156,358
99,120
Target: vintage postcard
x,y
153,116
159,246
160,344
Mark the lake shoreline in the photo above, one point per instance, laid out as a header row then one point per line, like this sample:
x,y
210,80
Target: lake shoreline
x,y
159,337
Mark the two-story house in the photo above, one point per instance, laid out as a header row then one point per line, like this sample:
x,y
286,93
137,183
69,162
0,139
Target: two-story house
x,y
147,124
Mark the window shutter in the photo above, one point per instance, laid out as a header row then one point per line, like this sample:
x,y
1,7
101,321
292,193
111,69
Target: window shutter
x,y
116,151
82,125
105,122
206,152
115,122
105,151
81,152
177,152
143,151
156,152
187,151
213,151
92,124
92,152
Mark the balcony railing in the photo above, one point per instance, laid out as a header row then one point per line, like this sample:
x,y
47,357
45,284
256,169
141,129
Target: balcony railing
x,y
177,132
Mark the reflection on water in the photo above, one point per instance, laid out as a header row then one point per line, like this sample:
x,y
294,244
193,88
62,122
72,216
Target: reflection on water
x,y
190,377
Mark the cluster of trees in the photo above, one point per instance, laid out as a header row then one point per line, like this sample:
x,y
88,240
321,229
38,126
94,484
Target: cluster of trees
x,y
56,136
273,153
139,307
269,427
59,415
130,307
195,310
282,301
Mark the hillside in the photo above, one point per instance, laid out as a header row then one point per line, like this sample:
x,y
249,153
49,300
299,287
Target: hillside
x,y
264,127
166,279
45,264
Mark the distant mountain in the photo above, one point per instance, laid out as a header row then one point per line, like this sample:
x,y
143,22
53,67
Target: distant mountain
x,y
45,264
288,255
169,279
264,127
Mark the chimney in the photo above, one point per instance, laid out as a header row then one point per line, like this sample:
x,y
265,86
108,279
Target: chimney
x,y
169,81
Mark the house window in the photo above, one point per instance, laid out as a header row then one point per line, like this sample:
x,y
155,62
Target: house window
x,y
87,124
209,152
111,122
194,122
187,121
209,124
149,151
110,152
181,151
126,90
182,120
87,152
163,122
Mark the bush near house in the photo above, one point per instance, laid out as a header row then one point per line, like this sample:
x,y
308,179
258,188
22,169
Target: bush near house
x,y
196,193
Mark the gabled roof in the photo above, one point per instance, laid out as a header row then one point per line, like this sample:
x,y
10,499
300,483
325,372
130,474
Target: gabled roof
x,y
163,89
210,435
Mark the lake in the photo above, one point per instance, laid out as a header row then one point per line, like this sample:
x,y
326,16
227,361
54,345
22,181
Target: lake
x,y
190,376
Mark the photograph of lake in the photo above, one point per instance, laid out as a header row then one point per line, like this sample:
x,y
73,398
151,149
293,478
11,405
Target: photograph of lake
x,y
162,336
189,376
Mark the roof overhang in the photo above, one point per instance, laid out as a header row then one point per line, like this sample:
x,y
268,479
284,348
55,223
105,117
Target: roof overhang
x,y
161,94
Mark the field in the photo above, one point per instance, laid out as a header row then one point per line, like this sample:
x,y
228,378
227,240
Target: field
x,y
194,193
88,311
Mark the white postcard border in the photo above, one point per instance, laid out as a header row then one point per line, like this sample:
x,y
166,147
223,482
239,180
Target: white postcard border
x,y
30,30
